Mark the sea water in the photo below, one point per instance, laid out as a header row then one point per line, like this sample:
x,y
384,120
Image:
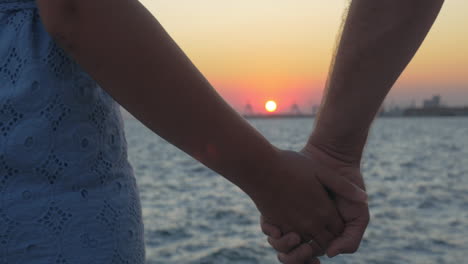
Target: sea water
x,y
416,171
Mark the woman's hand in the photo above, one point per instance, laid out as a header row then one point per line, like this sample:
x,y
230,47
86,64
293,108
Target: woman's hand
x,y
295,200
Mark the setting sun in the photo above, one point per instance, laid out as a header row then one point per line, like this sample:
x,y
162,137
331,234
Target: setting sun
x,y
271,106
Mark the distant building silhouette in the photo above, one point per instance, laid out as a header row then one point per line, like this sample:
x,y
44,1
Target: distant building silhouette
x,y
433,107
434,102
248,109
295,110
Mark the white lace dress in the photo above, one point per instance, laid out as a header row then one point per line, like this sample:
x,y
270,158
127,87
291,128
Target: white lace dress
x,y
67,190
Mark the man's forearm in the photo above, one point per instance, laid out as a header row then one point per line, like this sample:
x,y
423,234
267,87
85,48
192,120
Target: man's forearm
x,y
378,41
122,46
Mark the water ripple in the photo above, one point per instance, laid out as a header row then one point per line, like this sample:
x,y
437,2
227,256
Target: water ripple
x,y
416,172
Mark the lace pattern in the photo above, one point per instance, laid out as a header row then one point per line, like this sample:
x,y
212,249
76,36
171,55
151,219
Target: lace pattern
x,y
67,191
9,5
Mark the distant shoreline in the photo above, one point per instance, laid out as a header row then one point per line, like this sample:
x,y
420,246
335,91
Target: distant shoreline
x,y
419,115
436,111
272,116
408,112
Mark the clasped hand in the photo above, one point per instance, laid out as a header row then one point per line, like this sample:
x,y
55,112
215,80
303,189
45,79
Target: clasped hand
x,y
312,204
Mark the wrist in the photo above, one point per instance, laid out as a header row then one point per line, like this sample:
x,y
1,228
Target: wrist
x,y
260,175
252,174
343,144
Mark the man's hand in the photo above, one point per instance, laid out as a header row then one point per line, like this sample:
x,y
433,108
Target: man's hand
x,y
296,201
329,171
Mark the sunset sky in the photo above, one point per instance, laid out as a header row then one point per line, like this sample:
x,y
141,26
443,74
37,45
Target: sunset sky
x,y
259,50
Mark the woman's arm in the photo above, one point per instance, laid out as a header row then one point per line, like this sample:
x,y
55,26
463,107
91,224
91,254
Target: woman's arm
x,y
123,47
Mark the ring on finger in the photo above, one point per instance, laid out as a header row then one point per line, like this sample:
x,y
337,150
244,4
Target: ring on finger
x,y
314,245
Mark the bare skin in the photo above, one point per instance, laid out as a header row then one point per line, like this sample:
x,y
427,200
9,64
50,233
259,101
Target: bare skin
x,y
124,48
378,41
354,214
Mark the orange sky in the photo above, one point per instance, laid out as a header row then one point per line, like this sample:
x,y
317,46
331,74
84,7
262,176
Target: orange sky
x,y
254,51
